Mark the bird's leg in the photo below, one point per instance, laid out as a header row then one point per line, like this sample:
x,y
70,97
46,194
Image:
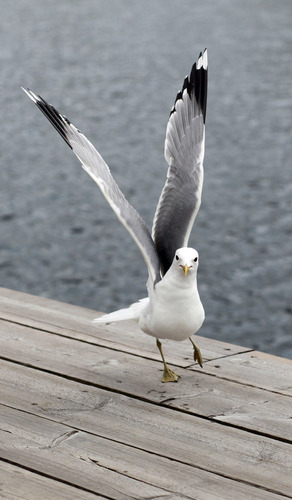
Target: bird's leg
x,y
168,374
197,353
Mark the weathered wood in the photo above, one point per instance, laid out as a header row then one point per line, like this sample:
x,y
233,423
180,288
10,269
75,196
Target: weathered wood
x,y
181,437
257,369
44,446
197,392
17,483
83,409
76,322
88,459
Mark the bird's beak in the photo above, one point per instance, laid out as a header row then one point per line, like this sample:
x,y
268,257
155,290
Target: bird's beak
x,y
186,269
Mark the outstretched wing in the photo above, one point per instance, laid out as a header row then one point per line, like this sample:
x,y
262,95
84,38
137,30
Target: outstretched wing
x,y
184,152
96,167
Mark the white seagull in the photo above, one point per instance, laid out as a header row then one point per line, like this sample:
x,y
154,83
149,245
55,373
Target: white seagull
x,y
173,309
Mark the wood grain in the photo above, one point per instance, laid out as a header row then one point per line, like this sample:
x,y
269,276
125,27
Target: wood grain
x,y
109,467
84,414
17,483
197,392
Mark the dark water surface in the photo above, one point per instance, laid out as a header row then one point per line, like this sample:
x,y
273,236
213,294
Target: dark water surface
x,y
114,67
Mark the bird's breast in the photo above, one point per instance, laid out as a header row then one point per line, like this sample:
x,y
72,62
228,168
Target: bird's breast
x,y
173,313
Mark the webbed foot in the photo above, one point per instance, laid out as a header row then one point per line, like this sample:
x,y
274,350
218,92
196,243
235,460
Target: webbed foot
x,y
197,354
169,375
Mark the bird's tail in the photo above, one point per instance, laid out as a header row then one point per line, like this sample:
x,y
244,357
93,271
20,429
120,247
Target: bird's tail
x,y
132,312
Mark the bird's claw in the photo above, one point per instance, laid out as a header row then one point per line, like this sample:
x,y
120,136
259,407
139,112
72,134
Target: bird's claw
x,y
169,375
198,356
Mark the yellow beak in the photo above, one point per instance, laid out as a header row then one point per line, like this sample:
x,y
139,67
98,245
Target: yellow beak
x,y
186,269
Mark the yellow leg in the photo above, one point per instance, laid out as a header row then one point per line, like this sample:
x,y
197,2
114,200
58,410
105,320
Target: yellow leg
x,y
168,374
197,353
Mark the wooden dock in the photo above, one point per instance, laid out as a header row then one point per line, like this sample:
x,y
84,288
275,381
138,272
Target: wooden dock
x,y
84,414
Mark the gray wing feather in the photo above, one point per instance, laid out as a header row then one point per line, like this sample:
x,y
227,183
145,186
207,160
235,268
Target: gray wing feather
x,y
95,166
184,152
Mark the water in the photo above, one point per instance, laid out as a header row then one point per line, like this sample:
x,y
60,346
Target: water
x,y
114,68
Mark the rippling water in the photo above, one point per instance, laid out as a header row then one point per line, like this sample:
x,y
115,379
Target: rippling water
x,y
114,68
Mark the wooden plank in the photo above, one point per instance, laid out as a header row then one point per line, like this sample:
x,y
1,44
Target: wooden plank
x,y
126,441
197,393
258,369
178,436
20,484
76,322
116,470
40,445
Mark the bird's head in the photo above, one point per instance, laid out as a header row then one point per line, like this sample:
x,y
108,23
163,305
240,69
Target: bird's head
x,y
186,260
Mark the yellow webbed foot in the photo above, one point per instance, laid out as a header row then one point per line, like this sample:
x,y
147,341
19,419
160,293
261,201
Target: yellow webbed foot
x,y
169,375
197,354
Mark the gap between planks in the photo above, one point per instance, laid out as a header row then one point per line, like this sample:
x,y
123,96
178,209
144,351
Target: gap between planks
x,y
208,394
102,399
162,403
35,485
115,456
154,357
263,368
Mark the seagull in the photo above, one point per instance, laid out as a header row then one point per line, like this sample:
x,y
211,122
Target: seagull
x,y
173,309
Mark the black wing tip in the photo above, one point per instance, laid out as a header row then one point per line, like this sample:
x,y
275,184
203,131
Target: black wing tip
x,y
196,83
52,114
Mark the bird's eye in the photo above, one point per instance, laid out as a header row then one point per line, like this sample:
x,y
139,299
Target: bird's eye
x,y
176,257
195,259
